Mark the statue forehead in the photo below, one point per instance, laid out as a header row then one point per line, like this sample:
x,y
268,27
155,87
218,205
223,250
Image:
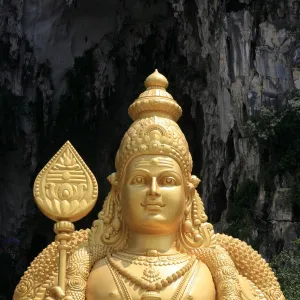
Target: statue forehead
x,y
151,161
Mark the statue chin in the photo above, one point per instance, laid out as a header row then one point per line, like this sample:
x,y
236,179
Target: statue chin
x,y
152,239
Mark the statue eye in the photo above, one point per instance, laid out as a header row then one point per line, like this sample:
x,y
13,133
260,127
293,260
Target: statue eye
x,y
168,181
138,180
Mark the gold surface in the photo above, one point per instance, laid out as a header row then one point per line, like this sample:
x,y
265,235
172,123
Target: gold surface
x,y
65,189
151,239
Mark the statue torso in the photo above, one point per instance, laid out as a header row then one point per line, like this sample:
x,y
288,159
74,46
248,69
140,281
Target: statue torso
x,y
104,280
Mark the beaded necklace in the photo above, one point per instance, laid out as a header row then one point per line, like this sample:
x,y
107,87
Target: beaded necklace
x,y
186,272
151,286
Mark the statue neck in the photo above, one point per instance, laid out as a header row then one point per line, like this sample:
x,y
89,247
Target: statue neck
x,y
141,243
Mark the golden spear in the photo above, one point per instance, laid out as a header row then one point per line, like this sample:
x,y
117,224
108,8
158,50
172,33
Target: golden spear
x,y
65,191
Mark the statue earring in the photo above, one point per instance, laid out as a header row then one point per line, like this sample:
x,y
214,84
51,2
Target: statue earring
x,y
116,223
195,216
187,224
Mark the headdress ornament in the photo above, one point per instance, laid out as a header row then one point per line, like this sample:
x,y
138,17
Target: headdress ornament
x,y
154,130
155,100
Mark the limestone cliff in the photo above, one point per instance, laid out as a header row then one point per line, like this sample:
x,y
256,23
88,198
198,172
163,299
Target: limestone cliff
x,y
70,69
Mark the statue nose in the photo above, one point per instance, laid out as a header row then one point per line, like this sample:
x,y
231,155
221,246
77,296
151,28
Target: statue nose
x,y
154,188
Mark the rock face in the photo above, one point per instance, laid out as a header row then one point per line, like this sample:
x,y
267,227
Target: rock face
x,y
70,69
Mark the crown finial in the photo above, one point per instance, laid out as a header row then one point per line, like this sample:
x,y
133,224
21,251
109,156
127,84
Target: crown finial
x,y
155,101
156,80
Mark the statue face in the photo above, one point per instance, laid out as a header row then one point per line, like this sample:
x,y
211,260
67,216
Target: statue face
x,y
153,195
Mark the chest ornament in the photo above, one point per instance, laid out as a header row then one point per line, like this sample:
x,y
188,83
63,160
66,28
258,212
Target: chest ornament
x,y
150,280
151,274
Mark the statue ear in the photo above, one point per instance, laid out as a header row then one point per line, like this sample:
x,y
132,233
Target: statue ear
x,y
195,181
190,192
112,178
191,187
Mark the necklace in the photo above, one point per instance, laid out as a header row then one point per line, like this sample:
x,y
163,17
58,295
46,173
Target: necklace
x,y
151,260
152,286
187,280
151,274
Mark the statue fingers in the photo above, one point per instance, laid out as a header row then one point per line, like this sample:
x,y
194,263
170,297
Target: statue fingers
x,y
57,293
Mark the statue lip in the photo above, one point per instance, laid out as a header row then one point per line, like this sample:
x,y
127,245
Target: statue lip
x,y
153,204
153,207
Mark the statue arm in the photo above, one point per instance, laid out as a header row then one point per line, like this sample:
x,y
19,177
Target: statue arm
x,y
79,267
41,276
224,273
252,266
239,272
40,279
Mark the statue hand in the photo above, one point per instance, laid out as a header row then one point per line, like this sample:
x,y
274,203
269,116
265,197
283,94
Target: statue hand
x,y
64,298
58,294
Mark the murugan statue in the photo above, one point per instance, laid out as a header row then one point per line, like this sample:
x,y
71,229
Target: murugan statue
x,y
151,239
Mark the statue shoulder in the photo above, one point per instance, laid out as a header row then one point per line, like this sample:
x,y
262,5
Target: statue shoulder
x,y
254,272
41,275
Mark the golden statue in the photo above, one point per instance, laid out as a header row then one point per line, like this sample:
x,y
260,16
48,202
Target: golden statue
x,y
152,239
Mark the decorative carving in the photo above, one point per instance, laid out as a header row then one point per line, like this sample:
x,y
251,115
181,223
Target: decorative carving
x,y
154,135
155,99
151,260
104,230
151,274
251,265
151,286
66,189
223,271
196,233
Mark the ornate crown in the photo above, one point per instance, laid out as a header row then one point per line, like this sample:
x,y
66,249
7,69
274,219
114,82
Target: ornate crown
x,y
155,100
154,130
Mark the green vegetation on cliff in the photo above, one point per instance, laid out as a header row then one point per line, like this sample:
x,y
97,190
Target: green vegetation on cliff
x,y
277,133
240,215
287,269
